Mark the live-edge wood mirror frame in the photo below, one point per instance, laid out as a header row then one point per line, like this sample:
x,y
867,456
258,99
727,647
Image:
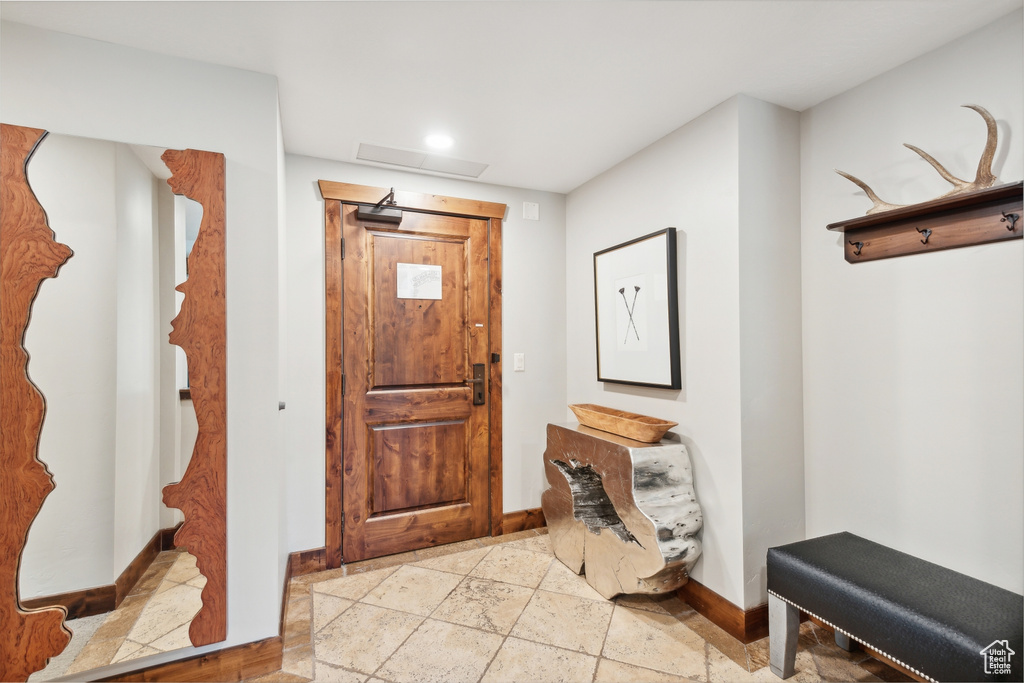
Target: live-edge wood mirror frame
x,y
28,255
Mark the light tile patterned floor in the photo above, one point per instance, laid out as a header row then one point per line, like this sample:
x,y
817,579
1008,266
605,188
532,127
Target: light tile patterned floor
x,y
153,617
505,610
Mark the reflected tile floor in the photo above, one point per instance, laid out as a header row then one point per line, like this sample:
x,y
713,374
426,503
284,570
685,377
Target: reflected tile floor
x,y
82,631
498,610
153,617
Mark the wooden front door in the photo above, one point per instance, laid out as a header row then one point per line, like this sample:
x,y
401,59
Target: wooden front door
x,y
416,363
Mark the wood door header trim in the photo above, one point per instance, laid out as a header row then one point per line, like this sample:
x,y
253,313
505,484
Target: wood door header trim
x,y
365,194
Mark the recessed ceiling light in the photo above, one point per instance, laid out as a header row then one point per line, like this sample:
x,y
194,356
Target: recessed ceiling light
x,y
439,141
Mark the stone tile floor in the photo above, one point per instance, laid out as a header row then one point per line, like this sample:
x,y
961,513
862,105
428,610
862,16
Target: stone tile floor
x,y
153,617
504,609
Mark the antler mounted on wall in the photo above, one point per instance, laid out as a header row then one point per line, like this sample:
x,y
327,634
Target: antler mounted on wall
x,y
982,179
975,212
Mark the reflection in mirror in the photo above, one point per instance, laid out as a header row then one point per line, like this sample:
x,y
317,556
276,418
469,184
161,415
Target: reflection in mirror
x,y
116,428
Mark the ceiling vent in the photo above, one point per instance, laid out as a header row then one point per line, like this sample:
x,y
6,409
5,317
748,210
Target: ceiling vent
x,y
419,160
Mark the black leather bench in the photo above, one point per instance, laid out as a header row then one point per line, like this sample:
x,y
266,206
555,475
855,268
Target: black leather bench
x,y
938,623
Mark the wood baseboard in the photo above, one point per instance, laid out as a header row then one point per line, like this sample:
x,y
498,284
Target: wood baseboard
x,y
745,626
167,536
83,603
874,654
752,624
229,664
299,563
306,562
137,567
102,599
521,520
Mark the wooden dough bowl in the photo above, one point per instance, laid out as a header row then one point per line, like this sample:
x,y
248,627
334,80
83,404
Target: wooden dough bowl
x,y
630,425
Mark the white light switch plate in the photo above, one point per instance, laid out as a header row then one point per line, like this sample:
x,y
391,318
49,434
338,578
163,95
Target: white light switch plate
x,y
519,362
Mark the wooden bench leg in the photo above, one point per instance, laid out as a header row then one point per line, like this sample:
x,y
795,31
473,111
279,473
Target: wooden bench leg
x,y
783,632
843,641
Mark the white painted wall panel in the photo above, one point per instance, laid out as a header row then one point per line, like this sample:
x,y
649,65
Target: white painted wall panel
x,y
770,321
533,301
688,180
71,545
913,369
95,89
137,461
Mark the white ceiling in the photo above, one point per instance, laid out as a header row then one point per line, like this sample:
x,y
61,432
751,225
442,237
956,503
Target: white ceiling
x,y
549,94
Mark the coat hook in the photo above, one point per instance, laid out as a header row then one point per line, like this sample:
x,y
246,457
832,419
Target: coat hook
x,y
859,246
927,232
1010,218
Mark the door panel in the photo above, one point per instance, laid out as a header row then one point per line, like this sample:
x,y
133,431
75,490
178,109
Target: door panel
x,y
415,448
438,326
418,465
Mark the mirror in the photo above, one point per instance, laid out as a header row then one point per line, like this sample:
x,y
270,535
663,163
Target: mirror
x,y
120,421
116,430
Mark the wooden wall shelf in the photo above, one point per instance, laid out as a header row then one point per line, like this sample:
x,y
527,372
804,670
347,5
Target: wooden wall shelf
x,y
989,215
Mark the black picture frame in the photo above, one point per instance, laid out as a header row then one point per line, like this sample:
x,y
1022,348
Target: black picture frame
x,y
636,305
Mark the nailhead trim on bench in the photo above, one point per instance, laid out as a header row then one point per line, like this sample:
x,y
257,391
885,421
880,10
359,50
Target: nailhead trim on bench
x,y
850,635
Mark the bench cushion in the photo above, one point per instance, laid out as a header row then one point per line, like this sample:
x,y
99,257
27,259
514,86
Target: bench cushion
x,y
929,618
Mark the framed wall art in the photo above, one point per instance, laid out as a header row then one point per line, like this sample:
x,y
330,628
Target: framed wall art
x,y
635,291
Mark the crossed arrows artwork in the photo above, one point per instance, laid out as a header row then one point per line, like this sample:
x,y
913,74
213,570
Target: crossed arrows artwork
x,y
629,310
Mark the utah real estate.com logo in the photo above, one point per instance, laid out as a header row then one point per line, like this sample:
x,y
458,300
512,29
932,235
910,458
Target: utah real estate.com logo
x,y
997,657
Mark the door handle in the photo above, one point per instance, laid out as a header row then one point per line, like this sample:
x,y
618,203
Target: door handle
x,y
477,380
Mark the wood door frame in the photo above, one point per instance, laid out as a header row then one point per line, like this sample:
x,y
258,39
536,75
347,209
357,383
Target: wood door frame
x,y
334,195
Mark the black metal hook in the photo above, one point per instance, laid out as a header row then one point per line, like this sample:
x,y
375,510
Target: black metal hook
x,y
858,245
389,199
1010,218
927,232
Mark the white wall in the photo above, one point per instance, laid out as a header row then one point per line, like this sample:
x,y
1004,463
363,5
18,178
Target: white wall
x,y
171,258
95,345
533,301
84,87
70,545
728,182
770,360
913,371
282,334
688,180
137,448
912,368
